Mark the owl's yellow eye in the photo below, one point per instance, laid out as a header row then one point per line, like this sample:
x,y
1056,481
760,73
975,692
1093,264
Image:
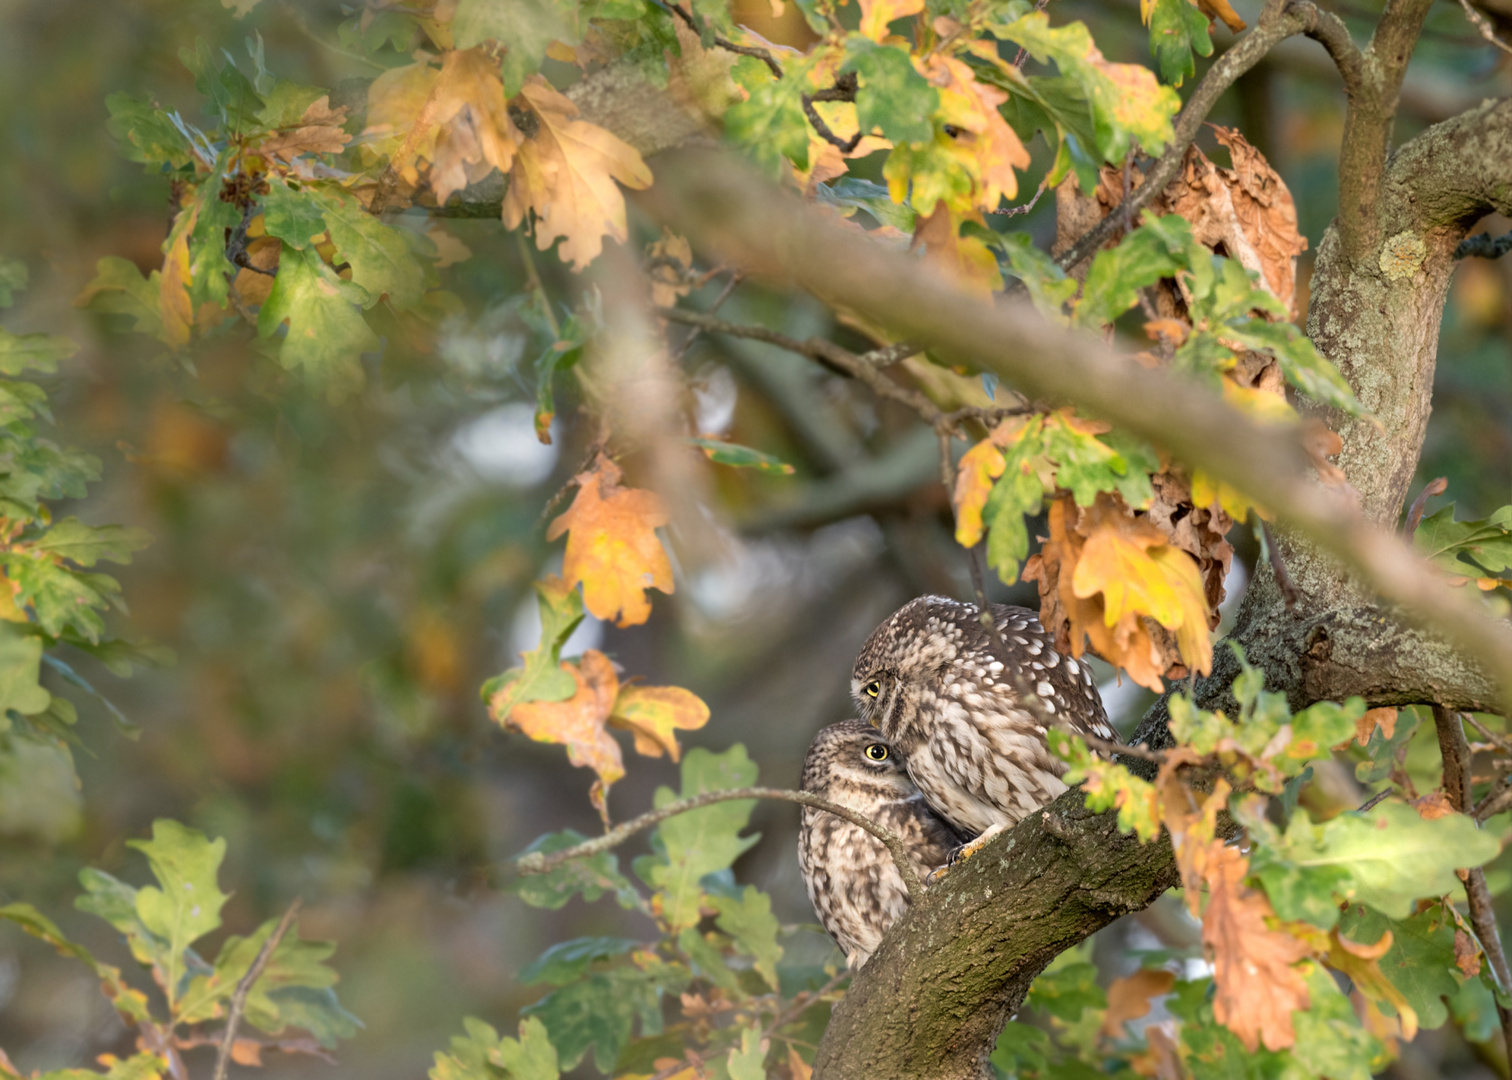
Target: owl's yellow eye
x,y
873,688
877,752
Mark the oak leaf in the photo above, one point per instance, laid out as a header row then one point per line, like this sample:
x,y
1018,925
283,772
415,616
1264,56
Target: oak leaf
x,y
986,145
975,473
612,546
319,132
966,260
876,14
654,715
1247,210
1129,998
1362,963
566,175
1258,984
1433,806
579,723
1384,719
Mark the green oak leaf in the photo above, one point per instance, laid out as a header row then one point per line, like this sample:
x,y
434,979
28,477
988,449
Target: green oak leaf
x,y
524,27
892,97
542,677
592,876
747,917
185,904
327,335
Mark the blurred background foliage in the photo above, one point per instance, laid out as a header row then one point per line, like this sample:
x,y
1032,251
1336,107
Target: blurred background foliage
x,y
337,581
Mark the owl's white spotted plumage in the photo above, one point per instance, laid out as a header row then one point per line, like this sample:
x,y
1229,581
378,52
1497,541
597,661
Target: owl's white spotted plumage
x,y
970,721
851,878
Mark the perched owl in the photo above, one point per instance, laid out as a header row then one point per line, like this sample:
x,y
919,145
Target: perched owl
x,y
938,685
852,880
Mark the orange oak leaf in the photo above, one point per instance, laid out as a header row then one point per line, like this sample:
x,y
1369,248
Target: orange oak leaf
x,y
579,723
1384,718
1433,806
967,260
654,715
1129,998
1258,985
173,289
566,175
1362,963
1467,955
612,546
876,14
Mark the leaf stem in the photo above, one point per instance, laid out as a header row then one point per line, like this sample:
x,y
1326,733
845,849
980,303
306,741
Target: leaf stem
x,y
538,862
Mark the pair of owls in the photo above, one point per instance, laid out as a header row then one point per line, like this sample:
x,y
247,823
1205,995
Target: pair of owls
x,y
950,747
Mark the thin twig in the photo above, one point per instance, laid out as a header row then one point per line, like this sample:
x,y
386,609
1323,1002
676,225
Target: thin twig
x,y
888,355
1501,741
1483,24
843,90
243,988
805,998
725,43
1370,803
1415,515
538,862
1143,752
1455,750
1289,591
825,352
1497,800
736,277
1022,208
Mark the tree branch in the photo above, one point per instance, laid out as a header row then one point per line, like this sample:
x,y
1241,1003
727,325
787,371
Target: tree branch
x,y
1368,124
1455,749
539,862
723,206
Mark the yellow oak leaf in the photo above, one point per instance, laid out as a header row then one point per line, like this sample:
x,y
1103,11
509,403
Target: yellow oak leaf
x,y
965,259
566,173
454,116
579,723
1185,578
612,546
983,141
177,308
976,471
876,14
654,714
1116,562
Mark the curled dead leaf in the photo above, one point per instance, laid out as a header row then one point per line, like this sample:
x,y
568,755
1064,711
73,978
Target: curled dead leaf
x,y
1129,998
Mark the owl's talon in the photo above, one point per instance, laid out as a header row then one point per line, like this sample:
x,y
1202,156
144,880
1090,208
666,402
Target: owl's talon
x,y
967,850
935,876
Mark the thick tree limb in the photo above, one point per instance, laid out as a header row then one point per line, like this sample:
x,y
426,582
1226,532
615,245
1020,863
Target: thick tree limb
x,y
934,996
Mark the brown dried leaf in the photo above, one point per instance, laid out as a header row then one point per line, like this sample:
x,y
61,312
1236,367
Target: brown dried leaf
x,y
1247,211
1384,718
797,1067
1433,806
1467,954
669,258
319,132
1129,998
566,175
247,1052
1321,443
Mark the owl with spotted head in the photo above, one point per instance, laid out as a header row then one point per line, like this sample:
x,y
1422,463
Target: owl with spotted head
x,y
851,878
968,709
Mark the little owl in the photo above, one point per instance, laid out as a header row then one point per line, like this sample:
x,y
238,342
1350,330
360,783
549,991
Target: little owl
x,y
968,709
852,880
